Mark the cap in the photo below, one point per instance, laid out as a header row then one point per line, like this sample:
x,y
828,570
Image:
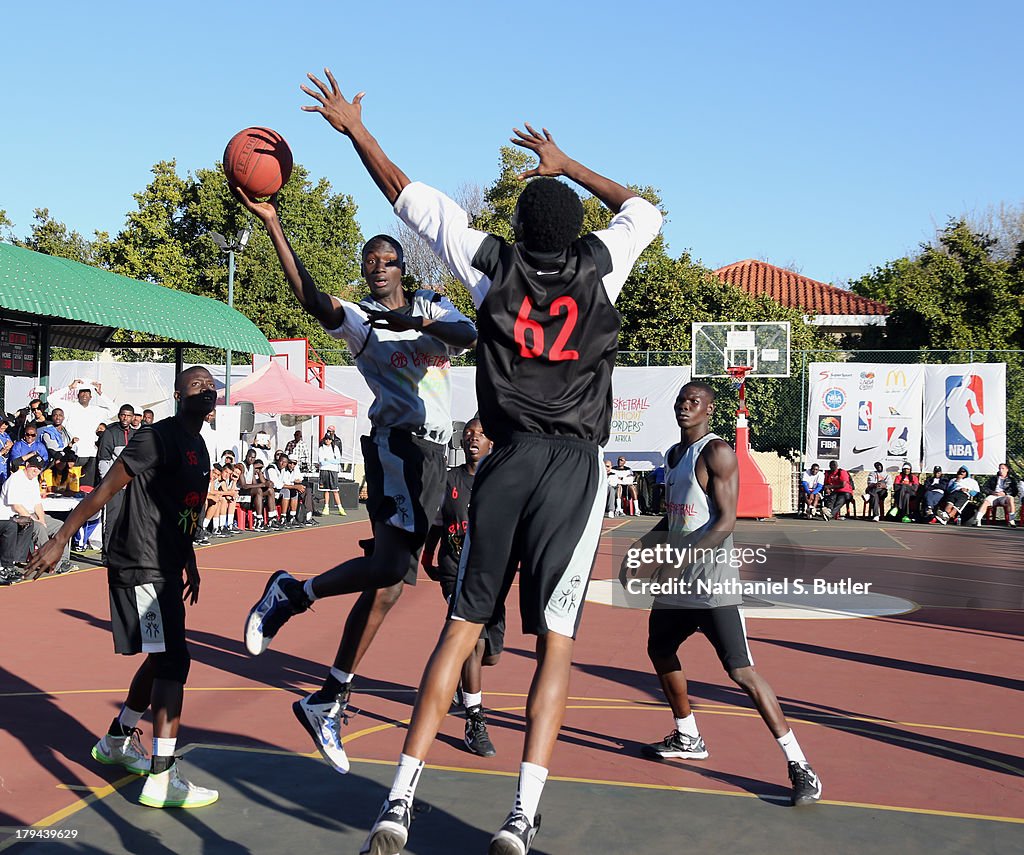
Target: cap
x,y
907,466
85,387
937,469
30,459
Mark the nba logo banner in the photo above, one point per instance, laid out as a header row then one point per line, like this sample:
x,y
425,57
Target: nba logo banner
x,y
965,416
865,415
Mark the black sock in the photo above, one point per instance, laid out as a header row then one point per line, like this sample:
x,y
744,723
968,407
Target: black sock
x,y
333,689
160,764
117,729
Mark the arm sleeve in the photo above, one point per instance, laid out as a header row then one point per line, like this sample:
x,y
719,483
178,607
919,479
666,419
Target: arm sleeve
x,y
445,227
629,233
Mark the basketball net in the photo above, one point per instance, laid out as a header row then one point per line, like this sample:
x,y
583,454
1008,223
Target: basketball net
x,y
738,373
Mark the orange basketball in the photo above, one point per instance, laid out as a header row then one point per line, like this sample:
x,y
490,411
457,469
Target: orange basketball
x,y
258,160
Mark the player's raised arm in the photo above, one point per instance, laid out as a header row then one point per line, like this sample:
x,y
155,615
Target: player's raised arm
x,y
555,162
346,117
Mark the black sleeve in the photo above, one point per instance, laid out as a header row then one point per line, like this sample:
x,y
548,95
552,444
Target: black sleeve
x,y
144,451
105,446
486,259
602,256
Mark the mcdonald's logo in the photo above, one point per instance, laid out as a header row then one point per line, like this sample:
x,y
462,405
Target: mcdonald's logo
x,y
895,379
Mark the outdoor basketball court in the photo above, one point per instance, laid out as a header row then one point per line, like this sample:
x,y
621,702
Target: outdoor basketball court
x,y
912,716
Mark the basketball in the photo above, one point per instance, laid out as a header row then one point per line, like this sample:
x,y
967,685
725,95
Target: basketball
x,y
258,160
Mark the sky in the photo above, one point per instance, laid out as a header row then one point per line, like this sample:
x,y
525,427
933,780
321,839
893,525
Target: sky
x,y
830,138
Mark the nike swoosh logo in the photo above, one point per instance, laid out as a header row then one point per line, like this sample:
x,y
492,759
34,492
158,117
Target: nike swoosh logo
x,y
862,450
547,272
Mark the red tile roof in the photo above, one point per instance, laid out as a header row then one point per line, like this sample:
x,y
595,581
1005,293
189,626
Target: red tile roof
x,y
795,291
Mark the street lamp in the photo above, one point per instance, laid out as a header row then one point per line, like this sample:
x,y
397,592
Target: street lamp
x,y
230,247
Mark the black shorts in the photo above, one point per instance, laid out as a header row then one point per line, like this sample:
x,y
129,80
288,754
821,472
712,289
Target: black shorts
x,y
148,618
669,627
328,480
493,633
538,503
405,479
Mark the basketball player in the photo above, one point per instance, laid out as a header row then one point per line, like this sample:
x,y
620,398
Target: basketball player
x,y
546,349
701,490
166,468
402,343
449,531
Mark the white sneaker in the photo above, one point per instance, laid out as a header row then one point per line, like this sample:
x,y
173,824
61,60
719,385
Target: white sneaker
x,y
611,515
323,723
126,751
976,522
169,789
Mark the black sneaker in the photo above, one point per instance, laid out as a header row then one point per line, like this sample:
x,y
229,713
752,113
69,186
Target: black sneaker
x,y
515,836
201,539
477,739
677,745
391,830
806,785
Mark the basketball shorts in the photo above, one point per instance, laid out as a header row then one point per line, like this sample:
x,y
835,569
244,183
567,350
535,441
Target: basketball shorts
x,y
150,618
538,503
723,626
405,478
493,633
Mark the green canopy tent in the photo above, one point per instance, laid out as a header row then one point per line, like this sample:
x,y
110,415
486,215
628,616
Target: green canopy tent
x,y
48,302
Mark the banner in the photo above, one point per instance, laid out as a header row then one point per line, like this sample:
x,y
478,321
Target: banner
x,y
860,413
965,416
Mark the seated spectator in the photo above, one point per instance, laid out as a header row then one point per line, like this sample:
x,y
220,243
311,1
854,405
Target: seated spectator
x,y
658,493
627,486
611,505
905,488
329,460
36,415
959,493
21,496
999,492
812,484
282,495
215,520
55,436
30,444
62,477
931,492
838,491
6,444
15,546
255,484
877,490
301,509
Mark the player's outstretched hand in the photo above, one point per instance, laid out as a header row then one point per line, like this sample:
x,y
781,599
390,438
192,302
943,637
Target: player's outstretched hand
x,y
343,115
44,559
553,161
191,582
394,321
264,211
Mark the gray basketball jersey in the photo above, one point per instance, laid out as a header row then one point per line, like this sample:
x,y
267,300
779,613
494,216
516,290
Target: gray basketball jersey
x,y
408,372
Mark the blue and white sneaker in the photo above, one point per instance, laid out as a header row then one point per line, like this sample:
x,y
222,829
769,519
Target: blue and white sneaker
x,y
515,836
391,830
282,598
323,722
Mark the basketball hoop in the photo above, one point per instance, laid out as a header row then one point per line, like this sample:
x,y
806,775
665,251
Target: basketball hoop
x,y
738,373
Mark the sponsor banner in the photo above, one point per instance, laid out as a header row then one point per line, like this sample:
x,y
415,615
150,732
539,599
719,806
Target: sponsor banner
x,y
643,399
965,416
860,413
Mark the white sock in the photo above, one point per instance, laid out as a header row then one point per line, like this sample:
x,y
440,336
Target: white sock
x,y
342,677
163,747
531,784
407,776
791,748
224,521
307,586
128,718
272,515
687,726
474,699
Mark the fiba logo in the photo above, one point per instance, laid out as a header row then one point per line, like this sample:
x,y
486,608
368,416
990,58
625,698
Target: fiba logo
x,y
965,417
834,398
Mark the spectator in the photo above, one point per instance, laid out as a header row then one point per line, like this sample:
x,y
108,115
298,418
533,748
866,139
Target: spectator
x,y
627,486
61,478
229,486
261,442
21,496
877,490
15,546
838,491
54,435
611,505
136,421
111,443
148,417
931,492
36,415
30,444
81,419
905,487
301,495
282,495
999,491
329,459
812,483
215,520
298,449
255,484
332,434
6,444
959,493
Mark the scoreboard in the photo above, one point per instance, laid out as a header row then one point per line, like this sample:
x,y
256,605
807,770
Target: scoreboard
x,y
18,351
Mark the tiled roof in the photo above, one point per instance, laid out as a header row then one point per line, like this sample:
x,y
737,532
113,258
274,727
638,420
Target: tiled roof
x,y
795,291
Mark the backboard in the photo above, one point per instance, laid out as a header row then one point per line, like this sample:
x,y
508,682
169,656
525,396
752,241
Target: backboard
x,y
717,346
292,353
